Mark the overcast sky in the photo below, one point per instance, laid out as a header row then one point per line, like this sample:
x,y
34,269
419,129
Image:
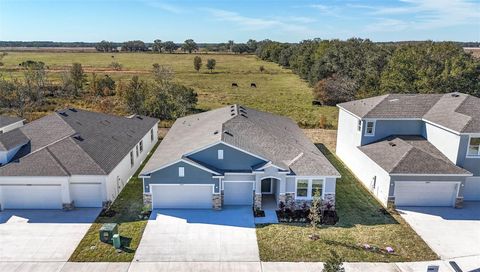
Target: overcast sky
x,y
240,20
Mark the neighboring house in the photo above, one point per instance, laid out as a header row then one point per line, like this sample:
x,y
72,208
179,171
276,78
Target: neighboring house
x,y
72,158
8,123
413,149
236,156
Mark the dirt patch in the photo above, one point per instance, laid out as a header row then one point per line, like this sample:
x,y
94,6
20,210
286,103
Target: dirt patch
x,y
328,137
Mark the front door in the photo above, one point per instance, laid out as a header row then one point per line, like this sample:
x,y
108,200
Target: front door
x,y
267,186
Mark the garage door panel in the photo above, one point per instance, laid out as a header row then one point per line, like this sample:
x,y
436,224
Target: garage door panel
x,y
32,197
182,196
238,193
412,193
86,195
472,189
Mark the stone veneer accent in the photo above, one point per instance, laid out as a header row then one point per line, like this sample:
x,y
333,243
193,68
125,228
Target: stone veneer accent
x,y
289,199
217,202
257,201
147,201
459,202
391,202
68,206
281,198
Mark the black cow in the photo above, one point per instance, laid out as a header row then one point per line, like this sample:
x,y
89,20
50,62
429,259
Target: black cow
x,y
234,84
253,85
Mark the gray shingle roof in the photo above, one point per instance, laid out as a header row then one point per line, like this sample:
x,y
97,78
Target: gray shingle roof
x,y
456,111
410,155
79,142
8,120
275,138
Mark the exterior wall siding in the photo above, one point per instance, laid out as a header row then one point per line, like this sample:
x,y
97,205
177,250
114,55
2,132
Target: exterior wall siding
x,y
169,175
385,128
447,142
233,159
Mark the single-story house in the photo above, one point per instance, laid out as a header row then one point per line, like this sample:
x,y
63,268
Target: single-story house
x,y
72,158
236,156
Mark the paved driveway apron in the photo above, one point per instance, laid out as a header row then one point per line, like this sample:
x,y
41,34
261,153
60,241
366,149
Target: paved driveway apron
x,y
42,235
199,235
451,233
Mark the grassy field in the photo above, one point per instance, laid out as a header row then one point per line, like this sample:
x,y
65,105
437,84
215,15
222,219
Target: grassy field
x,y
361,222
128,206
278,90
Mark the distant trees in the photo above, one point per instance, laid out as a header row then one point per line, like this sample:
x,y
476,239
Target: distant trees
x,y
105,46
157,46
211,63
189,46
16,96
134,46
240,48
197,63
162,73
357,68
170,46
35,78
76,78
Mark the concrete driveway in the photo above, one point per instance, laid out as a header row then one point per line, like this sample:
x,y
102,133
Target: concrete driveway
x,y
451,233
42,235
199,236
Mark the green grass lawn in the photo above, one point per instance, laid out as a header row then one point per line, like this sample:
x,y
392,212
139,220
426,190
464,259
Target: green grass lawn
x,y
278,90
128,206
361,222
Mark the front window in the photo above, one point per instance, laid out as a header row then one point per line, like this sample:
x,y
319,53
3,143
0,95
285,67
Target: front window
x,y
474,147
302,188
309,188
370,128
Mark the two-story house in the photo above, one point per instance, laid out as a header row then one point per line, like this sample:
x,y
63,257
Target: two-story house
x,y
413,149
236,156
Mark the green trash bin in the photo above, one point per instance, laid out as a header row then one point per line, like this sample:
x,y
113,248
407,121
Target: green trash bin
x,y
107,231
116,241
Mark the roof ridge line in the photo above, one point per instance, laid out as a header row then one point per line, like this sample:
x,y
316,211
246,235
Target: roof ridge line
x,y
88,155
386,95
57,161
404,155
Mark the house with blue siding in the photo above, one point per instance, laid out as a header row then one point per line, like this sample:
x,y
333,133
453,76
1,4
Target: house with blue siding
x,y
236,156
413,149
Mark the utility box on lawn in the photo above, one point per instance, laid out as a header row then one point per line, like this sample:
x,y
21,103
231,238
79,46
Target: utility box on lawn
x,y
107,231
116,241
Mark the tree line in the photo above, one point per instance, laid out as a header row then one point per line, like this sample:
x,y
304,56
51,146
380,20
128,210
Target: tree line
x,y
342,71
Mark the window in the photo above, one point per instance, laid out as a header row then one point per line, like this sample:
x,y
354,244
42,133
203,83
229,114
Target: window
x,y
151,135
359,125
132,161
306,188
141,146
302,188
181,171
317,186
136,148
474,147
220,154
370,129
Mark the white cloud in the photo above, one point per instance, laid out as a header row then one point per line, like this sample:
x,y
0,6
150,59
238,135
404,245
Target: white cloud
x,y
164,6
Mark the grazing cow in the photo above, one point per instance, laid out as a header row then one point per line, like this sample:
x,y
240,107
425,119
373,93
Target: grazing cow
x,y
253,85
316,103
234,84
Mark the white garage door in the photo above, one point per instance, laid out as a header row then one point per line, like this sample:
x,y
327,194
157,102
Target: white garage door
x,y
237,193
31,197
181,196
86,195
472,189
413,193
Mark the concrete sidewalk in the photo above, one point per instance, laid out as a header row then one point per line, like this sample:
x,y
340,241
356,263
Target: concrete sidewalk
x,y
470,264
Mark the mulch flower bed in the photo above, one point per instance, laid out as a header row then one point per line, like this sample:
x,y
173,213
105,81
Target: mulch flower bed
x,y
301,216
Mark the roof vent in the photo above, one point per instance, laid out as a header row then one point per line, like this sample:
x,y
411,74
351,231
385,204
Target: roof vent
x,y
392,144
241,107
78,123
228,133
139,117
215,132
455,95
78,137
63,114
73,109
232,114
393,100
244,115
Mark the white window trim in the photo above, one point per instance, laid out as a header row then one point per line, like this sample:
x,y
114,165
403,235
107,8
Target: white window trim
x,y
220,154
359,126
373,129
181,171
468,147
309,188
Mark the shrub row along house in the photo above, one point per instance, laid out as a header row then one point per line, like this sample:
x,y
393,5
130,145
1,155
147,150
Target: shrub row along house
x,y
414,149
236,156
72,158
